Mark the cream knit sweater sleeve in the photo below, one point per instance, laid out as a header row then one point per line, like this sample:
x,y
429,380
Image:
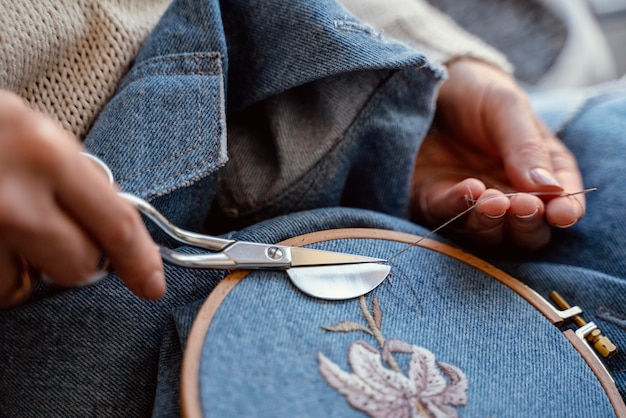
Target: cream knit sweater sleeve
x,y
66,57
418,23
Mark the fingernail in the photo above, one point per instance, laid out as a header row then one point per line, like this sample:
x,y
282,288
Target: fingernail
x,y
543,177
93,279
494,216
154,287
46,279
566,226
101,272
529,217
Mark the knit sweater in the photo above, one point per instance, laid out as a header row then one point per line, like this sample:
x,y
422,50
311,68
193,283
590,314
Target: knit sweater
x,y
66,57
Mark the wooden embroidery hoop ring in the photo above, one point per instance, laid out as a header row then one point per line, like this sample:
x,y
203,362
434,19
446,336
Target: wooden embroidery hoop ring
x,y
190,396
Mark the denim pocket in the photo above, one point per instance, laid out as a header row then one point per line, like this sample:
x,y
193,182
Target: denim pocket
x,y
165,127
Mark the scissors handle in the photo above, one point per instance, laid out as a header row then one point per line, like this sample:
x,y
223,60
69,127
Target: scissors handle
x,y
181,235
240,255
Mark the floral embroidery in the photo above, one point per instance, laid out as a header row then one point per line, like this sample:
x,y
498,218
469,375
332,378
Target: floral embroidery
x,y
430,389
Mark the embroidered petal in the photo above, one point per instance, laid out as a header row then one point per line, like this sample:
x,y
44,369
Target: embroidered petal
x,y
376,400
424,372
456,391
455,394
396,346
365,361
435,396
441,411
358,393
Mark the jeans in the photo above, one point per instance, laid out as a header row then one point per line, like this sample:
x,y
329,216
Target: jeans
x,y
107,353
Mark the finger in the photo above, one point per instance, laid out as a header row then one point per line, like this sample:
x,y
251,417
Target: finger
x,y
443,199
115,225
15,283
565,211
38,230
516,131
526,224
486,222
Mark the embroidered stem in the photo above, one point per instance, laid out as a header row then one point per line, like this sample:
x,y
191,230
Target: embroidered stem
x,y
376,332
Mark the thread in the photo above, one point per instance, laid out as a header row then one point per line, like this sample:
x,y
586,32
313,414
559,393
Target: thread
x,y
473,204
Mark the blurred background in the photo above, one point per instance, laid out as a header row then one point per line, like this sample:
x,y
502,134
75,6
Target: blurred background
x,y
611,15
552,43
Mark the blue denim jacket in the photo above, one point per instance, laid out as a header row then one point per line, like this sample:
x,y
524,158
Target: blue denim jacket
x,y
314,107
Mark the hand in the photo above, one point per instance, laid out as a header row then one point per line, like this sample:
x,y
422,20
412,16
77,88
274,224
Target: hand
x,y
486,141
58,213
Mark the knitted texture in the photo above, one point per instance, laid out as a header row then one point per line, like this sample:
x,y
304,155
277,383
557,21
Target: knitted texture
x,y
66,57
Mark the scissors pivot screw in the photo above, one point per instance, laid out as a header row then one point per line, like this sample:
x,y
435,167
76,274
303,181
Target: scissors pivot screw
x,y
275,253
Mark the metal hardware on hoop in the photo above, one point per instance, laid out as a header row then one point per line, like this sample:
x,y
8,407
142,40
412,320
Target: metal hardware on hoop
x,y
587,331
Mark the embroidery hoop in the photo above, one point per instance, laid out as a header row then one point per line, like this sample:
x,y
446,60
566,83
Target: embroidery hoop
x,y
190,396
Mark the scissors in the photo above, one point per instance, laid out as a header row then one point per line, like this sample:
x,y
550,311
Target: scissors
x,y
321,274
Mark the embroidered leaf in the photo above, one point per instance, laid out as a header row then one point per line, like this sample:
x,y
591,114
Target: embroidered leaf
x,y
347,326
377,313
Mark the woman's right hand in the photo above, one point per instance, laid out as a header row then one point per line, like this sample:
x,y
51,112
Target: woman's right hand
x,y
59,214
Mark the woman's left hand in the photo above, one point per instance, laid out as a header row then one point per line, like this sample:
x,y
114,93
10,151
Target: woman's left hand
x,y
486,141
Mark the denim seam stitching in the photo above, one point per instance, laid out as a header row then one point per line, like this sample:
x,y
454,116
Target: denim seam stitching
x,y
135,73
177,57
178,155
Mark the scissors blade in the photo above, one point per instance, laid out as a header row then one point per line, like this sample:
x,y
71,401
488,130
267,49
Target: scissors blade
x,y
301,257
339,282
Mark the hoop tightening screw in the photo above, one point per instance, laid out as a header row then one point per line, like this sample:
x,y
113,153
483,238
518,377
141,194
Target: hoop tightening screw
x,y
600,343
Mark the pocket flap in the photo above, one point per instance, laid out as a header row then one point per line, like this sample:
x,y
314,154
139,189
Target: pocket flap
x,y
165,128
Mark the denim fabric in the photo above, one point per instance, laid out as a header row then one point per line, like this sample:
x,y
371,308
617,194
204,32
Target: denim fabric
x,y
594,129
208,62
100,351
297,156
106,353
260,355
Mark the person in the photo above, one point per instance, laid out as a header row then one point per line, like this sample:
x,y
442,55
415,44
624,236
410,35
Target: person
x,y
79,209
315,111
